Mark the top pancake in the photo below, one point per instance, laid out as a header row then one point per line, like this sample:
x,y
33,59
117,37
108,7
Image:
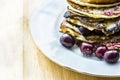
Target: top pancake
x,y
99,1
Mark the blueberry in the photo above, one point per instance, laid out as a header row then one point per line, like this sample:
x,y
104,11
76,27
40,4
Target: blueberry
x,y
84,31
97,32
67,14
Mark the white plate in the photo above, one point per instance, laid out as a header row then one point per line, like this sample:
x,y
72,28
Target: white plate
x,y
44,26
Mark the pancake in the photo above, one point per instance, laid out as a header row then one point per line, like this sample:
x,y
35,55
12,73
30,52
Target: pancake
x,y
92,38
102,12
73,15
90,4
99,1
107,26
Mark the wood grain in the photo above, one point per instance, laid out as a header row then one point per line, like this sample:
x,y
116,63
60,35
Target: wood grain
x,y
11,39
39,67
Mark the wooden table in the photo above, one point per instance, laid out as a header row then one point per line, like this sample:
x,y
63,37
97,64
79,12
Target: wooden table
x,y
37,66
11,40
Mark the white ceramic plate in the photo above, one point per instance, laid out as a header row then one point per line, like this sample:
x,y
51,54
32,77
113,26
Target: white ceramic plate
x,y
44,26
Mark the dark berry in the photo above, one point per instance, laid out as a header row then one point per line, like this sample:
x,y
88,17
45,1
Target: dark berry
x,y
67,40
67,14
86,48
97,32
84,31
100,52
111,56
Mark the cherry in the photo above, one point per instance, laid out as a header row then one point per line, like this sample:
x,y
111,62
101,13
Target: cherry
x,y
111,56
100,52
67,40
86,48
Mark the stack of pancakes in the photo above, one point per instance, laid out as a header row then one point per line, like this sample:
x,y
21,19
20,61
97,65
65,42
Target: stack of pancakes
x,y
93,21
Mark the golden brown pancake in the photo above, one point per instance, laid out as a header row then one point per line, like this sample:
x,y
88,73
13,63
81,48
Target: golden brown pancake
x,y
107,26
98,1
102,12
85,3
92,38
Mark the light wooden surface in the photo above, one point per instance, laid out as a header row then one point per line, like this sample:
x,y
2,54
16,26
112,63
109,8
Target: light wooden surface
x,y
38,67
11,13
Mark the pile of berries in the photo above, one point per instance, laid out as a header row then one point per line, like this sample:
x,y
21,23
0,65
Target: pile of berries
x,y
88,49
